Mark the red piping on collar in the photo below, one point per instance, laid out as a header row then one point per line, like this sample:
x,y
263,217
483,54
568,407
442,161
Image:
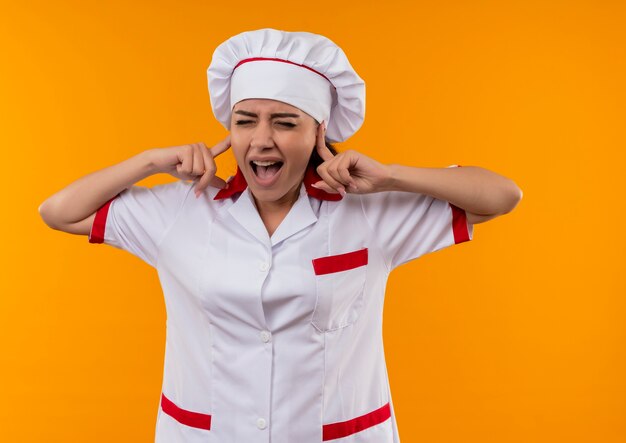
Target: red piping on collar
x,y
239,184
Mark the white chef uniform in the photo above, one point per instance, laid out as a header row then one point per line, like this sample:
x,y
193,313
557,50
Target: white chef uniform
x,y
275,339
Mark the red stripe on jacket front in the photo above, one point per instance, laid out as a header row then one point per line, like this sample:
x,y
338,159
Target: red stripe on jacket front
x,y
345,428
189,418
341,262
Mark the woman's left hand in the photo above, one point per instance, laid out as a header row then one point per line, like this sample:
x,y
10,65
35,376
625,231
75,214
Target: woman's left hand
x,y
349,171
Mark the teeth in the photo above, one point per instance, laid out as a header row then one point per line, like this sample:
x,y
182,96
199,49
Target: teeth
x,y
263,163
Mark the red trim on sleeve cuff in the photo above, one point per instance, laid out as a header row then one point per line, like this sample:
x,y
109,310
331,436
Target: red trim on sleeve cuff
x,y
189,418
459,224
345,428
99,222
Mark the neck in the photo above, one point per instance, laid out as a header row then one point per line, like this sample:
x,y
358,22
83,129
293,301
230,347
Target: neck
x,y
273,212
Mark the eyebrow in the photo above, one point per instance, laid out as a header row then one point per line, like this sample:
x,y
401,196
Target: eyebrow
x,y
275,115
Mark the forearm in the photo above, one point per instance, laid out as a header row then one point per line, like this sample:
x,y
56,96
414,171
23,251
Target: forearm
x,y
84,196
471,188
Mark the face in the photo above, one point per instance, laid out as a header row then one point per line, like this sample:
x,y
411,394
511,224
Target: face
x,y
272,142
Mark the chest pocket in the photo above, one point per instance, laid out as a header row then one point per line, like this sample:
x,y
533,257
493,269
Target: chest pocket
x,y
340,284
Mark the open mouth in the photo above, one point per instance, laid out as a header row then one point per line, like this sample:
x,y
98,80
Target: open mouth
x,y
266,170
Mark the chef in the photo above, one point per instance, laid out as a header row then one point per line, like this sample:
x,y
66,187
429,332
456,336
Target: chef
x,y
274,283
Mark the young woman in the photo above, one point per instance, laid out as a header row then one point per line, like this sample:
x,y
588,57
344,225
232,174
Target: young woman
x,y
274,282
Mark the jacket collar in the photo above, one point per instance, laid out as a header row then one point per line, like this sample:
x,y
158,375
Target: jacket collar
x,y
239,184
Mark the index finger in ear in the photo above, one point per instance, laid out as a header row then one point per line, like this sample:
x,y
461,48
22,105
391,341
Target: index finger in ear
x,y
209,172
322,150
220,147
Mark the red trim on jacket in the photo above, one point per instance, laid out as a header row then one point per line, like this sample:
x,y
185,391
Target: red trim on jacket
x,y
341,262
189,418
310,177
99,222
239,184
345,428
459,224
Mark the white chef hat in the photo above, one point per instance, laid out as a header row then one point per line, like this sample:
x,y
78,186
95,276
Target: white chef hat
x,y
305,70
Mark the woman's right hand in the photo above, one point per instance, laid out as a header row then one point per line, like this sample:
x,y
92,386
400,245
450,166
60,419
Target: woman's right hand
x,y
191,162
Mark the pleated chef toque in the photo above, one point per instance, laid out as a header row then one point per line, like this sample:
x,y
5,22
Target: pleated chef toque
x,y
305,70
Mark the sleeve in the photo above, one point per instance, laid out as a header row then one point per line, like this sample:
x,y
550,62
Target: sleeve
x,y
409,225
137,219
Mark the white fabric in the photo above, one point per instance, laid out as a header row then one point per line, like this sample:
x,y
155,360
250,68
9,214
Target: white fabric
x,y
127,228
252,332
291,52
283,81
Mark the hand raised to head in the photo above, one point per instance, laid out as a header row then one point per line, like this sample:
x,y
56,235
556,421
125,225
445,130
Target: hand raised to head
x,y
191,162
325,154
209,177
349,171
320,143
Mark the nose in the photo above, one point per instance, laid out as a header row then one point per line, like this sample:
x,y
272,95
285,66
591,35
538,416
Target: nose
x,y
262,136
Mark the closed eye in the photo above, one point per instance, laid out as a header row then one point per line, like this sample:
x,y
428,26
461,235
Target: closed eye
x,y
245,122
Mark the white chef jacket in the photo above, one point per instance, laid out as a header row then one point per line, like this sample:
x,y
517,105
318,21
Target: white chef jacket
x,y
275,339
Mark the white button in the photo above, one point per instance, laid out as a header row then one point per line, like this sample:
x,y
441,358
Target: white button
x,y
261,424
266,336
264,266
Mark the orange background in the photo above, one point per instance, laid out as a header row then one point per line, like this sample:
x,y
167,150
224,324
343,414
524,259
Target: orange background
x,y
517,336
